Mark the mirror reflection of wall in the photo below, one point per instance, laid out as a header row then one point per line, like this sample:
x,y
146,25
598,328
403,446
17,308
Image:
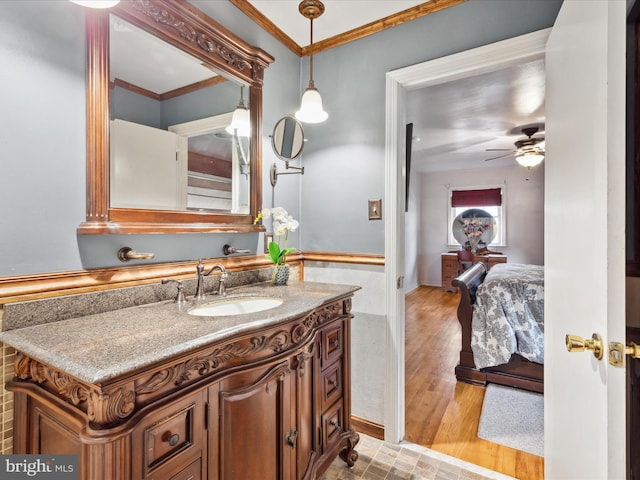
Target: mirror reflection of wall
x,y
155,85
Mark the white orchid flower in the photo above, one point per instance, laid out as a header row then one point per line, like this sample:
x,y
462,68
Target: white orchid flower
x,y
282,224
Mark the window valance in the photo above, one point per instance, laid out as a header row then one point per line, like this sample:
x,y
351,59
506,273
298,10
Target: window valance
x,y
486,197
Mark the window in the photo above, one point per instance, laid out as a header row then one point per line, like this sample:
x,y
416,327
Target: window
x,y
489,199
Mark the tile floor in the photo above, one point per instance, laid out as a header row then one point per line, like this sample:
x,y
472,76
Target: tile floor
x,y
379,460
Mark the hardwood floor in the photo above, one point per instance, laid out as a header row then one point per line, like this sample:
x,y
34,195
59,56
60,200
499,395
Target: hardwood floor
x,y
441,413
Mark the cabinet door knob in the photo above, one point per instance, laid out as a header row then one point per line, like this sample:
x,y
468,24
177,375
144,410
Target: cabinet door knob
x,y
173,439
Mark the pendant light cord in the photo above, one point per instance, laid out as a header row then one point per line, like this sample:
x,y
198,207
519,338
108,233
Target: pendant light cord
x,y
311,55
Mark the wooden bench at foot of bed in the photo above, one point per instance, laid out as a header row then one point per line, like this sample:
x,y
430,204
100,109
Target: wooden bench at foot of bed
x,y
519,372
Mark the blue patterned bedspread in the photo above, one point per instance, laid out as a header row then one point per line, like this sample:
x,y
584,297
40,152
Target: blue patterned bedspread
x,y
508,316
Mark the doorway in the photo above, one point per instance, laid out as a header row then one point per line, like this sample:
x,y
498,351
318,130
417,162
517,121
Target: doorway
x,y
520,49
573,65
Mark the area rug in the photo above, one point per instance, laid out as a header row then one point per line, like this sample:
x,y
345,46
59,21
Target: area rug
x,y
514,418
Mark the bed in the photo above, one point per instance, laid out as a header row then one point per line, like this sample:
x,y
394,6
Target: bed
x,y
501,315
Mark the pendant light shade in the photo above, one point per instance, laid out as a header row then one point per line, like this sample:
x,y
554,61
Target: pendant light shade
x,y
311,110
240,121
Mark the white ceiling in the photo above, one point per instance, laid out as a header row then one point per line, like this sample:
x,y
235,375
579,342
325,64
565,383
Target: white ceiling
x,y
339,16
456,122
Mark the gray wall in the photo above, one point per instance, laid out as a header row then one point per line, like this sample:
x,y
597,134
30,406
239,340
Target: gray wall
x,y
344,159
42,125
42,120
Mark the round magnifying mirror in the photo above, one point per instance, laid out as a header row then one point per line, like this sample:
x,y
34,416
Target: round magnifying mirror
x,y
288,138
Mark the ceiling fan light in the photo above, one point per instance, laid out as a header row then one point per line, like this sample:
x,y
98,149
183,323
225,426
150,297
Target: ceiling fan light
x,y
311,110
96,3
529,159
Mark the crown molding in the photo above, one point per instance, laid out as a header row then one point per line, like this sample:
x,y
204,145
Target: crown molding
x,y
360,32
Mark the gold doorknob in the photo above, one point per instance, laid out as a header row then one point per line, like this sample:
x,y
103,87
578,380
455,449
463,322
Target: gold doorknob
x,y
578,344
617,352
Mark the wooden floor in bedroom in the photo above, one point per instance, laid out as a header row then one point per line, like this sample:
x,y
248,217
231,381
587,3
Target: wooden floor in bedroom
x,y
441,413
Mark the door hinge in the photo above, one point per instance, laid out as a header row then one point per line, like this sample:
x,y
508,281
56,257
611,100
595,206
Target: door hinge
x,y
400,282
206,416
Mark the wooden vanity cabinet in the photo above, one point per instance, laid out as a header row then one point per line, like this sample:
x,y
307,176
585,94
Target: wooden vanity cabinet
x,y
248,434
272,404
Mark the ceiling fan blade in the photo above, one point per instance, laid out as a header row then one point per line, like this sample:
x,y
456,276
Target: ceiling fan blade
x,y
498,149
499,156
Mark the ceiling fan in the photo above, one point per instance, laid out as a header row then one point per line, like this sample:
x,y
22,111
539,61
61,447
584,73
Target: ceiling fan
x,y
528,151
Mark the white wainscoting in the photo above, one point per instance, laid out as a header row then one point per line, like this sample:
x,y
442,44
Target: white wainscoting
x,y
368,332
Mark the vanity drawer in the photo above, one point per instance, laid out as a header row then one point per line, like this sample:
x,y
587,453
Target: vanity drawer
x,y
331,384
332,424
192,472
171,438
332,344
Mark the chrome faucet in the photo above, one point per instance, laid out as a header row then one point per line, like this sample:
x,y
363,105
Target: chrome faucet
x,y
180,298
200,274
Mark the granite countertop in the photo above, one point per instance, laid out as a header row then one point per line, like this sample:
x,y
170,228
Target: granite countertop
x,y
99,347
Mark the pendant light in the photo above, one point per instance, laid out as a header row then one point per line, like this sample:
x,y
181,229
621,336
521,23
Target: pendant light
x,y
240,122
311,110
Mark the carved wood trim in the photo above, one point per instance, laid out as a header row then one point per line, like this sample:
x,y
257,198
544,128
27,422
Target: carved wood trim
x,y
31,287
199,35
360,32
103,406
236,351
300,359
276,373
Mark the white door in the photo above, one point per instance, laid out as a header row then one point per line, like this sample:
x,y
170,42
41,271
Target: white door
x,y
145,172
584,239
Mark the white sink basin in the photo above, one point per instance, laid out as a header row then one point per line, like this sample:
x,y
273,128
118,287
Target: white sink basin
x,y
235,306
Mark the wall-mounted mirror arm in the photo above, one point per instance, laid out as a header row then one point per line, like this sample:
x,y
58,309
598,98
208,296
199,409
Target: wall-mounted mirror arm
x,y
274,172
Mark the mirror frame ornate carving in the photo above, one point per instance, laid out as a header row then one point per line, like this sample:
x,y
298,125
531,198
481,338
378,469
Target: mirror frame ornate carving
x,y
192,31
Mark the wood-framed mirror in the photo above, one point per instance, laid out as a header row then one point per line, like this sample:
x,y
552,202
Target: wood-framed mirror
x,y
195,35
